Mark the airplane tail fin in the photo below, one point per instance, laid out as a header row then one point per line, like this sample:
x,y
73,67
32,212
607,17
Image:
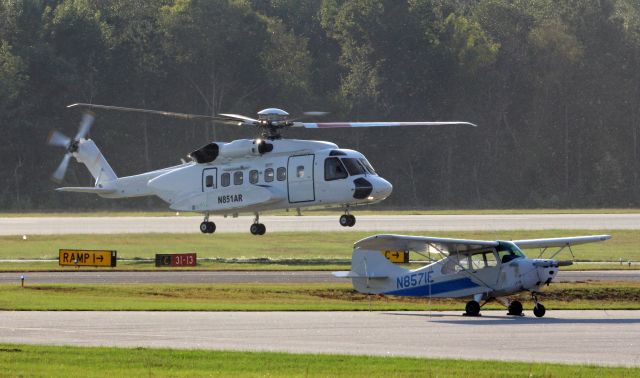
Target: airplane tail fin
x,y
371,272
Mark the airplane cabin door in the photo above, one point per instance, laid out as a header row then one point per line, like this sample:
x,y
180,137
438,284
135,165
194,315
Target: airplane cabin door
x,y
300,183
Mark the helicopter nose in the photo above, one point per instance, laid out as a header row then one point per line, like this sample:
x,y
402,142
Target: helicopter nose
x,y
381,189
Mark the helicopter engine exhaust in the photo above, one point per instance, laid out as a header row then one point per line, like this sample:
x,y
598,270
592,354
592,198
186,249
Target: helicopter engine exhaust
x,y
236,149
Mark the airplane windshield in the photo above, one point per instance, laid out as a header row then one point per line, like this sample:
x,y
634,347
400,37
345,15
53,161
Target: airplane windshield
x,y
508,251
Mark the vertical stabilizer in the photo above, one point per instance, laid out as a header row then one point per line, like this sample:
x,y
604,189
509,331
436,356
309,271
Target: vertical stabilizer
x,y
89,155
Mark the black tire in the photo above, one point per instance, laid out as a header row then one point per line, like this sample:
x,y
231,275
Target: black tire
x,y
344,220
262,229
472,308
204,226
515,308
211,228
539,310
255,229
352,220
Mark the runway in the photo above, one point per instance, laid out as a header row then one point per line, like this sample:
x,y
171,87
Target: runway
x,y
180,224
217,277
593,337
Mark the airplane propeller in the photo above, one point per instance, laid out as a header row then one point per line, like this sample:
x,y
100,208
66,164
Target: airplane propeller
x,y
57,138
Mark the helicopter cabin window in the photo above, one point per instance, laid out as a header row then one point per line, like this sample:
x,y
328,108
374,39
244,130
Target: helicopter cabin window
x,y
208,181
237,178
253,176
300,171
353,166
225,179
334,170
281,174
268,174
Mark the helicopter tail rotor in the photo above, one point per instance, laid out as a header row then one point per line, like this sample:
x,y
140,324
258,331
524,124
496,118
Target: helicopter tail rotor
x,y
57,138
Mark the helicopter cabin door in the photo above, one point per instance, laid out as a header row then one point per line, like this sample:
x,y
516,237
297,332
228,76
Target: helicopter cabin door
x,y
300,178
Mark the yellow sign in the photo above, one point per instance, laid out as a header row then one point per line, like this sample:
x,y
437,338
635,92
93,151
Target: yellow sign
x,y
79,257
397,257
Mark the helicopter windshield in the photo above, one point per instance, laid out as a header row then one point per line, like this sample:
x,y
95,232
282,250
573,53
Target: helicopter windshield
x,y
508,251
354,166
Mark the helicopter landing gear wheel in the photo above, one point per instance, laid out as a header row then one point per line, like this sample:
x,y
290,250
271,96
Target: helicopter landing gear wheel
x,y
472,309
257,228
207,227
347,220
538,308
515,308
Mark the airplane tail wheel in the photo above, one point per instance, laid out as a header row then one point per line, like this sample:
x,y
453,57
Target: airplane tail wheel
x,y
352,220
261,229
204,226
515,308
472,308
344,220
539,310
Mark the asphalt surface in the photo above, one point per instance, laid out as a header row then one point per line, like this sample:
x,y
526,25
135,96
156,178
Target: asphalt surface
x,y
212,277
114,225
593,337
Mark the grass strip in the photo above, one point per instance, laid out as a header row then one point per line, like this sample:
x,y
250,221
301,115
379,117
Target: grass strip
x,y
292,245
288,297
65,361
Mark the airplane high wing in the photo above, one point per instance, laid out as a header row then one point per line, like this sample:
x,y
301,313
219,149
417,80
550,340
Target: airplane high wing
x,y
422,244
560,242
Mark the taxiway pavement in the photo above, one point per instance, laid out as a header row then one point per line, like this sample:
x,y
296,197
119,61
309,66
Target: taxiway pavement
x,y
593,337
180,224
218,277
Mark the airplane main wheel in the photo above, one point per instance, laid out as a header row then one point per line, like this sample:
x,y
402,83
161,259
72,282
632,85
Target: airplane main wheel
x,y
352,220
539,310
472,308
515,308
345,220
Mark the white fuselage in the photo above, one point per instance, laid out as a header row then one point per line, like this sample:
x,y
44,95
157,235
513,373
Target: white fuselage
x,y
240,178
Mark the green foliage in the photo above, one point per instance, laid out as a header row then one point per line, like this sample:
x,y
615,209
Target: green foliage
x,y
552,85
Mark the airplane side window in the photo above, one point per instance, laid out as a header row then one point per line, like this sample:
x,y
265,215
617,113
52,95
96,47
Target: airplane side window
x,y
334,170
237,178
477,261
491,259
268,174
209,181
300,171
253,176
281,174
225,179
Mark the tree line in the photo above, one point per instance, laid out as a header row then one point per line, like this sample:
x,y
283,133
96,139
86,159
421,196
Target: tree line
x,y
553,86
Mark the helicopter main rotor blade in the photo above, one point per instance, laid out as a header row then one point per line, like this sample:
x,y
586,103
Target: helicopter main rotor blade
x,y
333,125
240,118
189,117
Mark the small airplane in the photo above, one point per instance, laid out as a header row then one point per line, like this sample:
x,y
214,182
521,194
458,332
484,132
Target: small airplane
x,y
245,175
481,269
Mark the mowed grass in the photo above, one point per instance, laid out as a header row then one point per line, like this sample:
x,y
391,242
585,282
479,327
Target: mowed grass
x,y
625,244
286,297
66,361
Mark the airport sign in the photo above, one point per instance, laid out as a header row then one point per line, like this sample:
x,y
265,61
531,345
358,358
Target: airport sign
x,y
81,257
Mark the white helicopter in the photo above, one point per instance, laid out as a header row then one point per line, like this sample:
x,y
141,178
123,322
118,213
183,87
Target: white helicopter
x,y
481,269
246,175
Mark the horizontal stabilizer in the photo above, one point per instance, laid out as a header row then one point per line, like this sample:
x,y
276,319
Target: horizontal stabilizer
x,y
352,274
86,189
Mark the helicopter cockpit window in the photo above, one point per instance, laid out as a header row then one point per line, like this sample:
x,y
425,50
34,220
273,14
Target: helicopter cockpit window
x,y
353,166
268,174
253,176
281,174
237,178
334,170
225,179
367,166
